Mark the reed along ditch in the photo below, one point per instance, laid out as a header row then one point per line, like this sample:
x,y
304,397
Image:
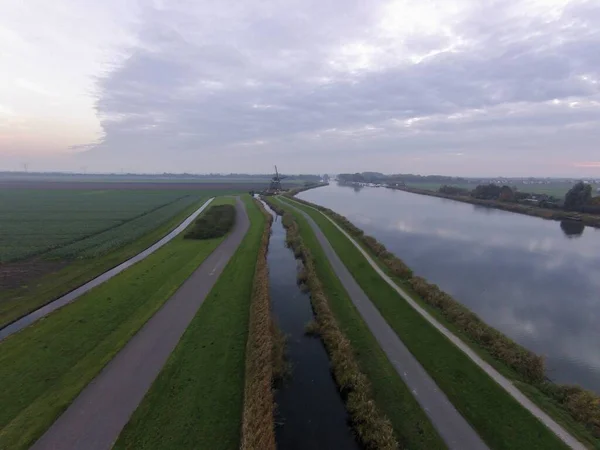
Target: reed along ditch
x,y
310,412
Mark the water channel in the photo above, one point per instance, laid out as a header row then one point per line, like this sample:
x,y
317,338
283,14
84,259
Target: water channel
x,y
538,281
310,412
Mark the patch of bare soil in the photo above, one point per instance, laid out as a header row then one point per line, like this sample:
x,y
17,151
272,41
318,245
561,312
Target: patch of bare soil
x,y
21,273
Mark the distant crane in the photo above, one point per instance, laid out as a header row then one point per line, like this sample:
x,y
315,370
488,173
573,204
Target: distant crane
x,y
275,185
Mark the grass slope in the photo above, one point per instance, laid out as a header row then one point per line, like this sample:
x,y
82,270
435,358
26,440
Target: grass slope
x,y
45,366
196,401
16,303
497,417
411,426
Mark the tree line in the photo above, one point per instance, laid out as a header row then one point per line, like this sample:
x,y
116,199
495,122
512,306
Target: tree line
x,y
578,199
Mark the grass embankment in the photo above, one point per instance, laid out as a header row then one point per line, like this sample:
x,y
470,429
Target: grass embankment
x,y
197,400
576,409
16,303
497,417
258,431
45,366
217,222
355,353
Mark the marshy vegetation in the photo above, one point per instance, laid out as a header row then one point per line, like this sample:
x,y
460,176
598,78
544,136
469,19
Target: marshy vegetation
x,y
372,428
216,222
263,356
582,405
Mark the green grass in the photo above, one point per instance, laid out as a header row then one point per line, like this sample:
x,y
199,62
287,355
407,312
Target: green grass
x,y
497,417
15,303
196,401
411,425
45,366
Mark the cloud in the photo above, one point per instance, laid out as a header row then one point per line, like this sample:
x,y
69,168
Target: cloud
x,y
35,88
346,85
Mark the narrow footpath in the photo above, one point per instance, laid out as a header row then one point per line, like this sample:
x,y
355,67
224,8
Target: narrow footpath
x,y
456,432
28,319
97,416
506,384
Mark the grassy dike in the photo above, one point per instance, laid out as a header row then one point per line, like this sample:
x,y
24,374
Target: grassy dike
x,y
383,389
45,366
197,401
498,418
15,303
258,428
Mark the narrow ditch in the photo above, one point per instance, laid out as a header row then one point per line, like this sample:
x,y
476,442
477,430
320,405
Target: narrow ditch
x,y
310,412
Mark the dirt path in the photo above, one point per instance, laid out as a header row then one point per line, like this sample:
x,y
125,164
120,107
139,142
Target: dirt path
x,y
506,384
97,416
27,320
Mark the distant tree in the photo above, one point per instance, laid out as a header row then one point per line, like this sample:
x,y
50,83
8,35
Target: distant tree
x,y
506,194
486,192
578,196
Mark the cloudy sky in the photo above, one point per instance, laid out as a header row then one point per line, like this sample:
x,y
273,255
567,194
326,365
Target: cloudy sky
x,y
464,87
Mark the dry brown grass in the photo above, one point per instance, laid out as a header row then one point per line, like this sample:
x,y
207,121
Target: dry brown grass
x,y
281,366
312,328
258,429
373,429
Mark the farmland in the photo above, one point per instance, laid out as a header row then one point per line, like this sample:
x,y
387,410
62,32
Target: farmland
x,y
80,223
57,236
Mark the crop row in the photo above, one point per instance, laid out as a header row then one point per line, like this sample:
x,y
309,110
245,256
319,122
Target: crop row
x,y
102,243
34,222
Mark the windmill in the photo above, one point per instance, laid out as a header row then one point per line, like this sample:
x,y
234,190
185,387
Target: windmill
x,y
275,185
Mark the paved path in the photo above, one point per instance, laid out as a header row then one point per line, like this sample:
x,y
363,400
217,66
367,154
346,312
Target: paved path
x,y
27,320
506,384
452,427
97,416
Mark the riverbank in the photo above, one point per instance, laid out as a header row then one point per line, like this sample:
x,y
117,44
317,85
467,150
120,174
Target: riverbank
x,y
401,274
258,427
535,211
373,429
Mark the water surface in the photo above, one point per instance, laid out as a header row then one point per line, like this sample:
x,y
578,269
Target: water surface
x,y
310,412
538,281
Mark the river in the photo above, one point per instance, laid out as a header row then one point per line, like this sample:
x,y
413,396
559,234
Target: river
x,y
537,281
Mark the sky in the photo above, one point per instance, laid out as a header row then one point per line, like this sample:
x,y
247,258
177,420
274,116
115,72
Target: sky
x,y
453,87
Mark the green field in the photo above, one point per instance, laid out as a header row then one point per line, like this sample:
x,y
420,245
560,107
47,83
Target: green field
x,y
68,224
44,367
498,418
196,401
411,426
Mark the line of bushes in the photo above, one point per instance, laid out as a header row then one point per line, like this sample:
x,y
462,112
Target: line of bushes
x,y
581,404
373,429
258,429
216,222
